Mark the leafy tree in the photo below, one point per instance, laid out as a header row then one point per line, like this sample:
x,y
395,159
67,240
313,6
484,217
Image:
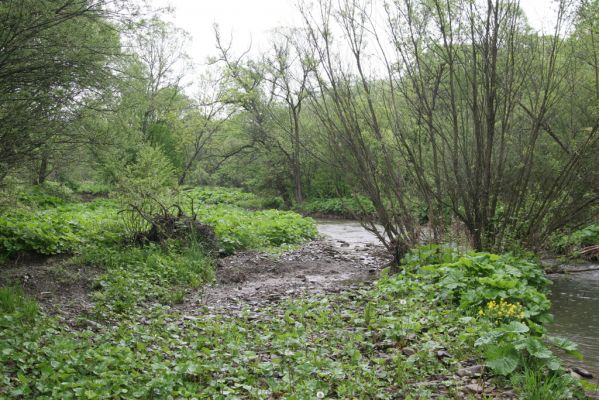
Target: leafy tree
x,y
56,56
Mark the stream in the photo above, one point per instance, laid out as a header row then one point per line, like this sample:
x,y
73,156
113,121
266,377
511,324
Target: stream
x,y
574,297
575,307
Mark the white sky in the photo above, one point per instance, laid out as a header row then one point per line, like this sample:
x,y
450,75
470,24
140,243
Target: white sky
x,y
253,19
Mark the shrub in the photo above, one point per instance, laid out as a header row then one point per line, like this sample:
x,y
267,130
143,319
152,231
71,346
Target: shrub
x,y
505,296
576,241
340,206
221,195
62,229
238,229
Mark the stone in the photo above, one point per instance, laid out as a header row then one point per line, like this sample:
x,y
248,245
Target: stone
x,y
475,370
442,354
408,351
474,388
583,372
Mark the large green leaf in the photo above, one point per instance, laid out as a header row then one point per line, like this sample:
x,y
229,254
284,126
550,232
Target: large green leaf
x,y
566,345
502,359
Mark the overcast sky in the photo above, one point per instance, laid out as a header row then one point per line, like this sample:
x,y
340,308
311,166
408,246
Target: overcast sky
x,y
252,20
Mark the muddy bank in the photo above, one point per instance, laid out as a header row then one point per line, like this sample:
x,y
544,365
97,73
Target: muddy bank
x,y
253,279
60,287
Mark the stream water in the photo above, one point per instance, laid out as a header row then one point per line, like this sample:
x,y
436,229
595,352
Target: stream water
x,y
346,232
575,307
574,297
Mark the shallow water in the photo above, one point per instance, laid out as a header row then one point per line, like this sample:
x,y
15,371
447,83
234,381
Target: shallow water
x,y
347,231
575,307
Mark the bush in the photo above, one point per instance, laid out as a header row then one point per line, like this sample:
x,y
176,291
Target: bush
x,y
573,243
341,206
93,188
61,229
225,196
505,295
238,229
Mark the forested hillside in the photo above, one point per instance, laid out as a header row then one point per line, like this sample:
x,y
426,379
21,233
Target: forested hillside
x,y
156,238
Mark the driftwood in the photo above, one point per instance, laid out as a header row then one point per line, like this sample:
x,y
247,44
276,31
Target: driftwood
x,y
590,252
173,224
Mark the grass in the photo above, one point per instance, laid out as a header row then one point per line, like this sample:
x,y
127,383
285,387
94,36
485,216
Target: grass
x,y
537,385
135,275
15,303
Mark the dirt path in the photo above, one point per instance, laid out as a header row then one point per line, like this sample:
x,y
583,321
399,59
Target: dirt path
x,y
255,280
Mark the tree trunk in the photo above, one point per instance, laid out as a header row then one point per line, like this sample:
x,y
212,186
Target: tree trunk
x,y
42,172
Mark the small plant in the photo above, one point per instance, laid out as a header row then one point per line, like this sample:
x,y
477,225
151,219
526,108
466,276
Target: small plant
x,y
340,206
539,385
14,301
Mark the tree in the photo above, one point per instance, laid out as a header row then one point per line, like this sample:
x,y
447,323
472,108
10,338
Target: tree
x,y
456,114
56,55
287,72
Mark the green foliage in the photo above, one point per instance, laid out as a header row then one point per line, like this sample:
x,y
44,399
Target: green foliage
x,y
238,229
505,295
296,350
570,244
221,195
473,280
144,187
351,345
231,196
61,229
135,275
93,187
340,206
537,385
50,225
15,303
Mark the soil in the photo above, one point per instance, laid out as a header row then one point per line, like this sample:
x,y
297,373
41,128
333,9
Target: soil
x,y
61,287
254,280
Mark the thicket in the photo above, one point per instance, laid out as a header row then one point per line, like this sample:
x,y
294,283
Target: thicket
x,y
46,224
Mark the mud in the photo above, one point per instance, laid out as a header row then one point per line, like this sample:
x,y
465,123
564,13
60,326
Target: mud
x,y
59,286
255,279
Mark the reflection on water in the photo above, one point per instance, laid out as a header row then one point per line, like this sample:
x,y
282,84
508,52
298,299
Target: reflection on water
x,y
575,302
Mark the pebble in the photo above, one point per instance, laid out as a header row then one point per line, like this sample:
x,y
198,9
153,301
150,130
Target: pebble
x,y
408,351
475,370
474,388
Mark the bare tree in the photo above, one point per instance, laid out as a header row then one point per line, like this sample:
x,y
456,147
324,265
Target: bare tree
x,y
287,71
453,99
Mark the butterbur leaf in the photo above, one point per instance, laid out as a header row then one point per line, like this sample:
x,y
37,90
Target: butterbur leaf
x,y
536,349
566,345
515,327
553,363
502,359
489,338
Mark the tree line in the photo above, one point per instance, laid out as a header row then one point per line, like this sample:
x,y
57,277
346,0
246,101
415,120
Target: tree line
x,y
454,114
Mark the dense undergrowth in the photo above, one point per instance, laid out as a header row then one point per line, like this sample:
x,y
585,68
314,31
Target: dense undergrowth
x,y
582,242
405,338
345,207
48,224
